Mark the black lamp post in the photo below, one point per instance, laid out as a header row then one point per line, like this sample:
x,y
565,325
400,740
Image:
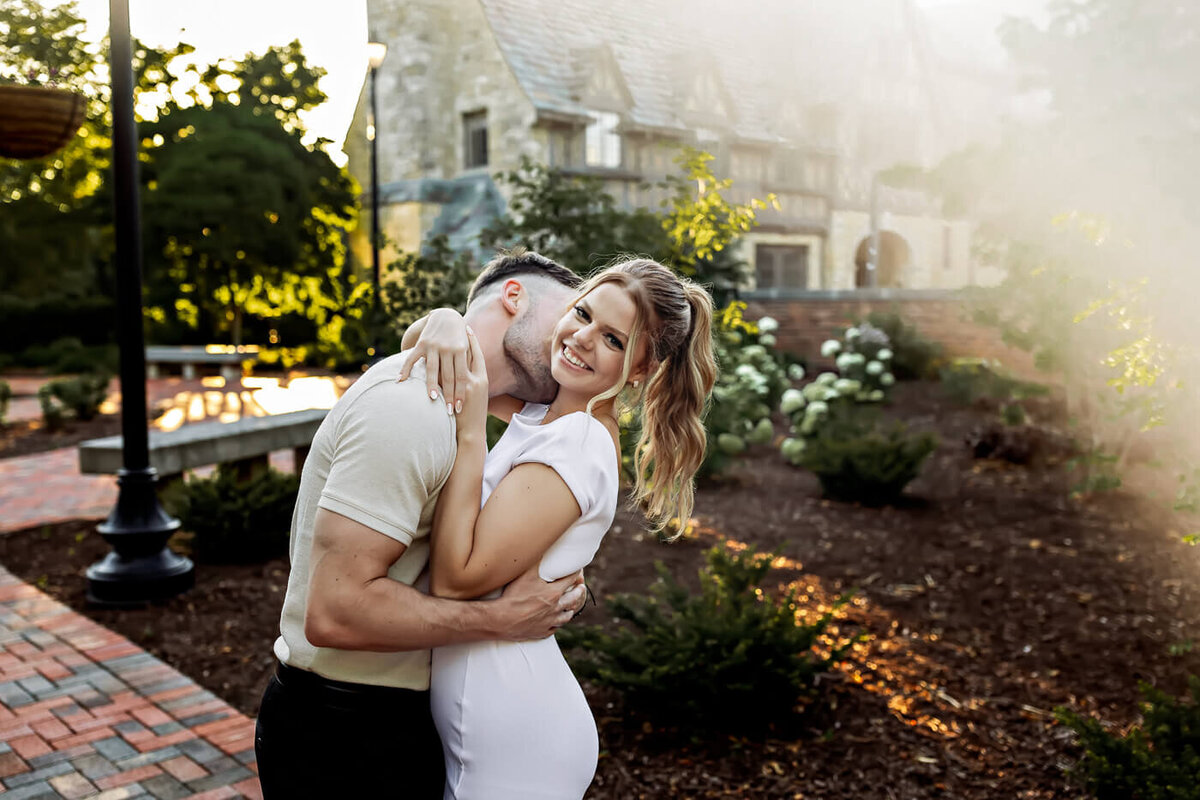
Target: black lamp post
x,y
376,52
139,568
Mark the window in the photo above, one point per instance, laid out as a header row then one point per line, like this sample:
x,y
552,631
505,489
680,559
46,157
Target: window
x,y
781,266
475,139
603,145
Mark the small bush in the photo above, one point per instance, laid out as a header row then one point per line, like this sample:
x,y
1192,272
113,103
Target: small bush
x,y
235,521
753,376
859,459
967,381
913,356
5,397
1158,760
730,659
72,398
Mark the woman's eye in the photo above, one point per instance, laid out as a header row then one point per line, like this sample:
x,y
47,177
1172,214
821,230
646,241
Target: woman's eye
x,y
581,313
615,342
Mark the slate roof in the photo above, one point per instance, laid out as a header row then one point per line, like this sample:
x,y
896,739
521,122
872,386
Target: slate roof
x,y
766,52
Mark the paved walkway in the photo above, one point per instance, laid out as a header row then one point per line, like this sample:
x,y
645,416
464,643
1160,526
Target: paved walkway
x,y
86,713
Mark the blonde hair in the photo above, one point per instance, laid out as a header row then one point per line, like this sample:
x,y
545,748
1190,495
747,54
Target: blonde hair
x,y
675,316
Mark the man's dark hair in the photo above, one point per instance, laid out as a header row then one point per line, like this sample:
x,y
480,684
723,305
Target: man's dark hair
x,y
519,261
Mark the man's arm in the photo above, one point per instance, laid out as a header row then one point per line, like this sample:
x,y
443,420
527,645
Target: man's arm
x,y
353,605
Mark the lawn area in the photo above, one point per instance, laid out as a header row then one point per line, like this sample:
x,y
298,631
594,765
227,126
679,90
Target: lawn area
x,y
987,598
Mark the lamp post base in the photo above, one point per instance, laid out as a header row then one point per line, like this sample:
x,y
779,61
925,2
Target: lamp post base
x,y
141,568
117,582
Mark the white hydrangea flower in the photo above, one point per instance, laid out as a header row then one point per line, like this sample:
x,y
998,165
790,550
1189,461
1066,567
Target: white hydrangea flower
x,y
827,378
846,386
874,368
830,394
852,334
844,361
768,325
876,395
792,400
767,339
884,354
816,408
887,379
795,372
830,348
745,371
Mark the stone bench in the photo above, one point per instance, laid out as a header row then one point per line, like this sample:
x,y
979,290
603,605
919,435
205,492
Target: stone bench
x,y
246,443
227,358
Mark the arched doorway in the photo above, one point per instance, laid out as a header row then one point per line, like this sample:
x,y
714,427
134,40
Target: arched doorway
x,y
894,258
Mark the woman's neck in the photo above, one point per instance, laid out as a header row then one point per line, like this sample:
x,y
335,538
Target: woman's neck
x,y
568,403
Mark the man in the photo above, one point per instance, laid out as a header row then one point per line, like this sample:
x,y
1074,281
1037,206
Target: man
x,y
347,713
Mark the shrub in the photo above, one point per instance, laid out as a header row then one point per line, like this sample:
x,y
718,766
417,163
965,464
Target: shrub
x,y
863,357
967,381
72,398
752,378
730,659
913,356
1158,760
5,397
236,521
859,459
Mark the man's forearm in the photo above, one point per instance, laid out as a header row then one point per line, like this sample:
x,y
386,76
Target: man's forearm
x,y
389,616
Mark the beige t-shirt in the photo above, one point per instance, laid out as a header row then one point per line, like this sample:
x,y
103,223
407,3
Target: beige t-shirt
x,y
380,458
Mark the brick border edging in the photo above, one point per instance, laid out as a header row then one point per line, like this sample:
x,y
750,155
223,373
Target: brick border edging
x,y
84,712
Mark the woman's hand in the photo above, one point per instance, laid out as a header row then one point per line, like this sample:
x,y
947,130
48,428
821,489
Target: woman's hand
x,y
472,415
443,344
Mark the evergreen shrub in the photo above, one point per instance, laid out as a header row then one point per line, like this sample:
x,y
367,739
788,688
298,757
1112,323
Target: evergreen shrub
x,y
913,356
1157,760
731,659
861,459
967,381
76,398
232,520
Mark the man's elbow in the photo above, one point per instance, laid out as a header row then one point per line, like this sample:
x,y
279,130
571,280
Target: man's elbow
x,y
323,627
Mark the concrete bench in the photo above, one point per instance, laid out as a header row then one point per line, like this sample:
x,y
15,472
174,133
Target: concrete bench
x,y
246,443
227,358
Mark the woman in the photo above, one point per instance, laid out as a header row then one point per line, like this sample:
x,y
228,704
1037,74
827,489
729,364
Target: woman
x,y
513,720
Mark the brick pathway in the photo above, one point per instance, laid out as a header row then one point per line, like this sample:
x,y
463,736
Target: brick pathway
x,y
86,713
48,487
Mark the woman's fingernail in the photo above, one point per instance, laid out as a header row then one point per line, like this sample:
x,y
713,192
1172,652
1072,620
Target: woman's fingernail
x,y
433,394
458,406
449,409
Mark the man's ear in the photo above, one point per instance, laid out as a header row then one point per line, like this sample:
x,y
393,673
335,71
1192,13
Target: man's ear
x,y
512,296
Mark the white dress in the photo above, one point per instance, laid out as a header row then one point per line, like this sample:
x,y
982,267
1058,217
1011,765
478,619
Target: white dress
x,y
513,720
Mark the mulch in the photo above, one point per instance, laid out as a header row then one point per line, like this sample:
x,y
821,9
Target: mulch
x,y
987,598
31,436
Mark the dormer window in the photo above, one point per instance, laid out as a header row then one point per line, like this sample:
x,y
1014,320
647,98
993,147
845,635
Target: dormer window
x,y
603,141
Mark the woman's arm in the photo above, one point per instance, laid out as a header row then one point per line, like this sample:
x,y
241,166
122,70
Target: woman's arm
x,y
474,551
440,337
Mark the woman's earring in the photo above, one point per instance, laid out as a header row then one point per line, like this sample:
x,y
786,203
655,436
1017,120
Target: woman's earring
x,y
635,384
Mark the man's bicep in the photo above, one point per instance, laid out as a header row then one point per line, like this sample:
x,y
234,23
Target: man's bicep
x,y
350,549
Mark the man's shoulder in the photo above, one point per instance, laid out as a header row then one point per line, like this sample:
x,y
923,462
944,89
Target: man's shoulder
x,y
379,399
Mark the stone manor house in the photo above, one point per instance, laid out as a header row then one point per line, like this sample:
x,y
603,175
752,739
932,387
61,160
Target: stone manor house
x,y
807,99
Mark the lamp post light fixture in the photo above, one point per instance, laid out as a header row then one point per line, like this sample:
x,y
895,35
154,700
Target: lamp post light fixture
x,y
140,568
376,52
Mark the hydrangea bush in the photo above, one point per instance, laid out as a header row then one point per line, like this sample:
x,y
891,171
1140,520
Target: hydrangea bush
x,y
862,357
752,379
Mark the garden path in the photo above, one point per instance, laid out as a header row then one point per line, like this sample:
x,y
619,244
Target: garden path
x,y
86,713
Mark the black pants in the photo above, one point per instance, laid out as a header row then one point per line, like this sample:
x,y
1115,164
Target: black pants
x,y
318,739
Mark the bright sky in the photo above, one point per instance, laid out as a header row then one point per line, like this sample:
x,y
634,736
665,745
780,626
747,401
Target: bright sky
x,y
333,34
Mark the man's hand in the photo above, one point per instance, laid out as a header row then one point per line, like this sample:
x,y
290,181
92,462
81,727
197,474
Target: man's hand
x,y
534,609
443,344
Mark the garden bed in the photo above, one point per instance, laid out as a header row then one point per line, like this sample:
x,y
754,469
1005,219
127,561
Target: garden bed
x,y
988,598
29,436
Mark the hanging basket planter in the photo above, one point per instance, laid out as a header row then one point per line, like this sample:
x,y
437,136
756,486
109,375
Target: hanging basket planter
x,y
35,121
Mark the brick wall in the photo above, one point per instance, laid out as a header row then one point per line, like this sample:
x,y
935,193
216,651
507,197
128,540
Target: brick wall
x,y
807,320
